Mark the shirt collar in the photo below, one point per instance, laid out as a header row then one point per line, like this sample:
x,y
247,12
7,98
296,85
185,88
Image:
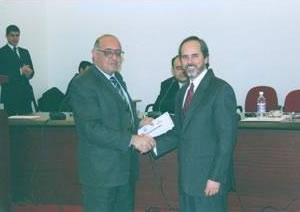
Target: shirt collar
x,y
105,74
11,46
181,84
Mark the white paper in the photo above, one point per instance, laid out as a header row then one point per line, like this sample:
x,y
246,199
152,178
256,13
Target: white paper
x,y
271,119
23,117
161,125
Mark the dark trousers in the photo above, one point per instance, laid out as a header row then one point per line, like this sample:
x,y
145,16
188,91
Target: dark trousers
x,y
111,199
18,108
216,203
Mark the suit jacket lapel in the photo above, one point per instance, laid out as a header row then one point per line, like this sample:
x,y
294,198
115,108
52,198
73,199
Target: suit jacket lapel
x,y
106,83
120,79
180,114
132,104
198,96
21,55
123,84
11,54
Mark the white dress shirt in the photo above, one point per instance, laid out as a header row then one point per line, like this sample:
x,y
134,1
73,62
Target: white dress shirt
x,y
196,83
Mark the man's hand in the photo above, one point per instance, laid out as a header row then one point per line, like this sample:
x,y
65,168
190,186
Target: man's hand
x,y
146,121
26,70
212,188
143,143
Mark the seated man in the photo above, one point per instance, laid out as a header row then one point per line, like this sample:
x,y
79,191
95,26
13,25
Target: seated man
x,y
65,106
83,66
166,100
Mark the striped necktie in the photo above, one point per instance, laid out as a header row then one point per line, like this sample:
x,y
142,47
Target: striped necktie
x,y
118,87
15,50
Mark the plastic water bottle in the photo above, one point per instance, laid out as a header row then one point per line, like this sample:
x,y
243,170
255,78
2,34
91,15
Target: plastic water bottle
x,y
261,104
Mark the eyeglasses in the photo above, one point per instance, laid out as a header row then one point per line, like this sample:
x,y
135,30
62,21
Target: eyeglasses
x,y
178,68
111,52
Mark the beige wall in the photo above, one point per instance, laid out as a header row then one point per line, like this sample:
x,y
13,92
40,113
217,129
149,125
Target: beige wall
x,y
251,42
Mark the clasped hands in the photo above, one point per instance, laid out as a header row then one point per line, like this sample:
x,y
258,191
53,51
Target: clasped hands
x,y
143,143
26,70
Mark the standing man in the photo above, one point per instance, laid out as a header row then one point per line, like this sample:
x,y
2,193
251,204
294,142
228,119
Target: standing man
x,y
15,62
106,123
165,102
205,135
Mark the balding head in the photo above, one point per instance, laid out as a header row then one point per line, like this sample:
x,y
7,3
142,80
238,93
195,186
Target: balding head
x,y
107,53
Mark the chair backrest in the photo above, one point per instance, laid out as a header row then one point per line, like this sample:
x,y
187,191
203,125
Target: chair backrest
x,y
269,93
33,101
51,100
292,101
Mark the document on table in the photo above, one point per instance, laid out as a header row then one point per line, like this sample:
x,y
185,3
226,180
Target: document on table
x,y
23,117
161,125
270,119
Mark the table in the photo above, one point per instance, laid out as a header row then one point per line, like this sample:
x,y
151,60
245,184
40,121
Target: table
x,y
266,160
4,164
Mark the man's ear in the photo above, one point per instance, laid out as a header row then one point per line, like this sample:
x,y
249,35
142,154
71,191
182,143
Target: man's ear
x,y
172,72
206,60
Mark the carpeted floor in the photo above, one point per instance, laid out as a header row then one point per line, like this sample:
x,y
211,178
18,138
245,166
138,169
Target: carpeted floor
x,y
57,208
46,208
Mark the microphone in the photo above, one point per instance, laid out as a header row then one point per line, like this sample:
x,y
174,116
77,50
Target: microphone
x,y
63,103
164,97
60,115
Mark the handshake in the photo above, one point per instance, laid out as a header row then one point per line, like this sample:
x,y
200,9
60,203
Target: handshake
x,y
143,143
150,128
26,70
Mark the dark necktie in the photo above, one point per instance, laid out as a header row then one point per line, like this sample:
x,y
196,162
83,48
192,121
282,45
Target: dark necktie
x,y
121,93
188,98
118,87
15,50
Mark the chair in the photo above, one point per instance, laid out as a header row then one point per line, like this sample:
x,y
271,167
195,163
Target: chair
x,y
51,100
292,101
269,93
150,112
33,102
149,107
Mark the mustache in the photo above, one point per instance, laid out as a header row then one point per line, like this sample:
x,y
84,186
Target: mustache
x,y
190,66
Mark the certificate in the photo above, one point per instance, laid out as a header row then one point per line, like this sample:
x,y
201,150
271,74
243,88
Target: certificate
x,y
161,125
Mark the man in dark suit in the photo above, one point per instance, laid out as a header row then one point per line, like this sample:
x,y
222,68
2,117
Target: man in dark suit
x,y
205,133
106,123
165,102
15,62
65,105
